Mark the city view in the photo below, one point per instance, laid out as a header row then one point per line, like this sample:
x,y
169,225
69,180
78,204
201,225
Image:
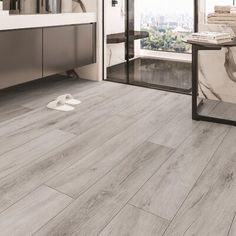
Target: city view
x,y
166,26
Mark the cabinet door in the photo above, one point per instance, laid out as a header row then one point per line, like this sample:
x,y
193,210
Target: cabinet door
x,y
59,52
86,44
68,47
20,56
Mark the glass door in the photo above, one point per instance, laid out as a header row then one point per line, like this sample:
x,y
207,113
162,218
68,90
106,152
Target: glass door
x,y
157,29
115,28
137,32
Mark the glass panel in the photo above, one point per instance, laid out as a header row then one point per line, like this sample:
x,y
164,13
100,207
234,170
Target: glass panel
x,y
116,36
167,22
145,27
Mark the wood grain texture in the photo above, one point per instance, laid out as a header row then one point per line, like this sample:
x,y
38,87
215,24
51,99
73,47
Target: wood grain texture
x,y
180,128
224,110
29,177
144,106
90,213
99,162
232,228
108,109
50,92
90,98
207,107
31,151
11,111
210,208
135,222
109,162
176,131
32,212
40,121
43,90
167,189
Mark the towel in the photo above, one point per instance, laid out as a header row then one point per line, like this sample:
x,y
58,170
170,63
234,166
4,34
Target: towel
x,y
223,15
231,18
233,10
223,9
215,22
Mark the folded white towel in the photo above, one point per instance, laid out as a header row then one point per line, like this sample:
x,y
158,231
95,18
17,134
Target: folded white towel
x,y
215,22
233,10
222,19
222,9
226,15
211,35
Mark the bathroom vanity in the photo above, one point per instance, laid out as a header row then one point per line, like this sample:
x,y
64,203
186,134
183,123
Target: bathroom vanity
x,y
36,46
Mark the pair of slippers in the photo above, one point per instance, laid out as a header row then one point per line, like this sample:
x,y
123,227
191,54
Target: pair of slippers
x,y
63,103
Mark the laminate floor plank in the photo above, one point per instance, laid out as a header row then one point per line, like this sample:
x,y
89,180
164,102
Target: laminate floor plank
x,y
131,159
36,124
26,179
89,98
39,122
232,229
74,87
147,105
33,150
91,212
113,107
82,92
211,206
165,192
135,222
32,212
8,112
176,131
224,110
43,89
99,162
208,105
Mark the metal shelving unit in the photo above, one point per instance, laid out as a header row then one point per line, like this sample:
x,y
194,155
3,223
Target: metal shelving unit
x,y
196,47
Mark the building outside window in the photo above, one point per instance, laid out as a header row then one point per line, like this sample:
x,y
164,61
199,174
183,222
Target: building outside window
x,y
168,22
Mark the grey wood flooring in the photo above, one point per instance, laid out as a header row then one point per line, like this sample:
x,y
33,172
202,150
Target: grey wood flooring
x,y
127,161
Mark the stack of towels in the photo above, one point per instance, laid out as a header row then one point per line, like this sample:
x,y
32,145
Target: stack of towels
x,y
210,37
222,15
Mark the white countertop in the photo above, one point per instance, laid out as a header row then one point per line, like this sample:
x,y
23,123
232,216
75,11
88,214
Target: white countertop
x,y
13,22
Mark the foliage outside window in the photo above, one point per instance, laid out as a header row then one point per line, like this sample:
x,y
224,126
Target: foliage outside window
x,y
167,23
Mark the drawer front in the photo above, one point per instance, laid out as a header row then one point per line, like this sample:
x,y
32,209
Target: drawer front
x,y
86,44
20,56
68,47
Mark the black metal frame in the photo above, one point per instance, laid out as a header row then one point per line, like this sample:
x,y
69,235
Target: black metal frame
x,y
195,86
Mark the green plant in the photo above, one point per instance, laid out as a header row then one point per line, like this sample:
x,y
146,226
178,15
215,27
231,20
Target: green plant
x,y
165,40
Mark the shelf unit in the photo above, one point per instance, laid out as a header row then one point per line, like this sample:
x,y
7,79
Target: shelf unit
x,y
196,47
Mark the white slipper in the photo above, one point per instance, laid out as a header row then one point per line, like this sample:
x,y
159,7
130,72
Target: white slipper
x,y
68,99
59,106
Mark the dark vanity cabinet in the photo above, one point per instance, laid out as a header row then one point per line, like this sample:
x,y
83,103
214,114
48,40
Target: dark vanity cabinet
x,y
20,56
68,47
31,54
